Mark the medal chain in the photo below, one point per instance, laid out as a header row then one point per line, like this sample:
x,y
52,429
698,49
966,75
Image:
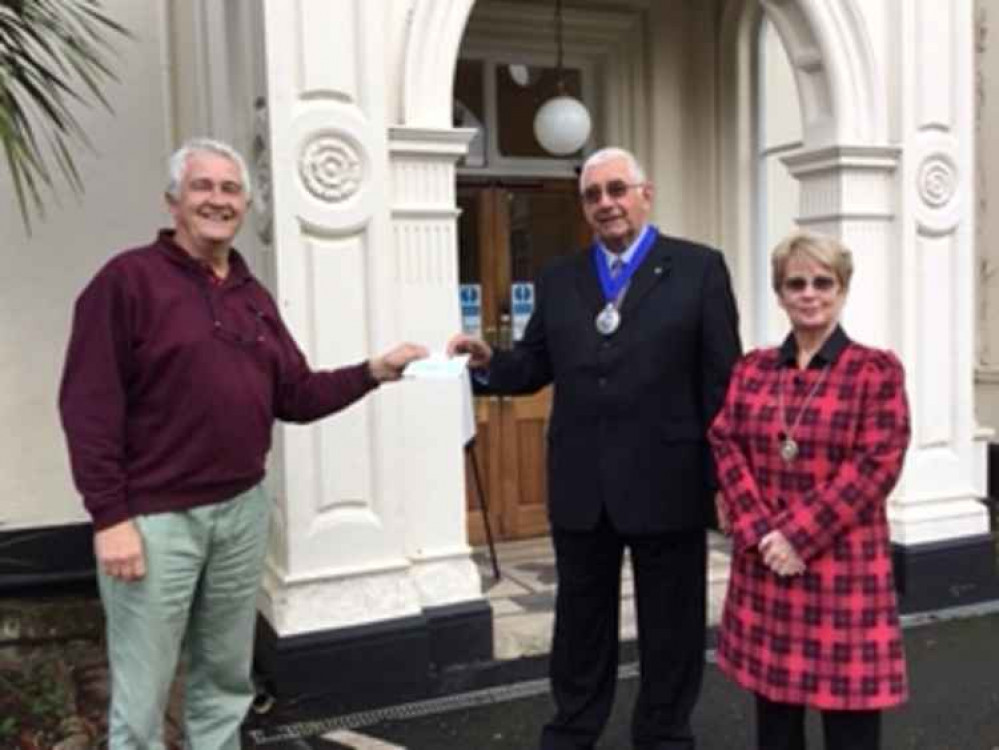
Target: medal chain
x,y
789,430
609,317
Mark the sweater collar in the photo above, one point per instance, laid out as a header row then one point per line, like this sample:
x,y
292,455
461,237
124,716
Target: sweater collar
x,y
238,270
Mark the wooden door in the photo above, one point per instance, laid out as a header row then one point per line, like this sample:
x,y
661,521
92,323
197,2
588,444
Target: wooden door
x,y
508,232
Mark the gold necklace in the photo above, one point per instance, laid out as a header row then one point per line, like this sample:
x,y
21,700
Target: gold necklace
x,y
789,449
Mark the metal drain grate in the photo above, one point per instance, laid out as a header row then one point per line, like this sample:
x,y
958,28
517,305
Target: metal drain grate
x,y
414,710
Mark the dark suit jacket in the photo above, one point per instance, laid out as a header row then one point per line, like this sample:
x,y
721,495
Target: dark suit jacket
x,y
630,411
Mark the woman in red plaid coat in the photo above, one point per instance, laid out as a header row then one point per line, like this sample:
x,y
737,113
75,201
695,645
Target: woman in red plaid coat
x,y
809,444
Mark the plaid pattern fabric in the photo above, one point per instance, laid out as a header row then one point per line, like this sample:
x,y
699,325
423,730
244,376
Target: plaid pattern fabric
x,y
830,637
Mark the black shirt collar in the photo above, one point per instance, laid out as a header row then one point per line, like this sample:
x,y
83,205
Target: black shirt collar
x,y
826,355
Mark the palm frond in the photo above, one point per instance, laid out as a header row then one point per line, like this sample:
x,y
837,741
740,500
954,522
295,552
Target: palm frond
x,y
54,56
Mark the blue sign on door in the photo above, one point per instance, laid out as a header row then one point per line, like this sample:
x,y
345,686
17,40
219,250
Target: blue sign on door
x,y
521,306
471,309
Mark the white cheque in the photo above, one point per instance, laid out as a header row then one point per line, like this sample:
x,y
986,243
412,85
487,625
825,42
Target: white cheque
x,y
437,366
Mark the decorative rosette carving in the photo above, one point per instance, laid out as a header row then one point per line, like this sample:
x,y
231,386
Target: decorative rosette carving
x,y
331,168
937,180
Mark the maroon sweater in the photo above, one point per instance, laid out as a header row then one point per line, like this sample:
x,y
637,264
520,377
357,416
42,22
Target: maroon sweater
x,y
172,384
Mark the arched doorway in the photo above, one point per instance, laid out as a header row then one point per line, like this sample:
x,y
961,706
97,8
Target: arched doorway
x,y
696,133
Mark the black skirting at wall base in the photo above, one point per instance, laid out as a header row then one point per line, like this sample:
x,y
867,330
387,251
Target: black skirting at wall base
x,y
946,574
47,560
367,666
460,634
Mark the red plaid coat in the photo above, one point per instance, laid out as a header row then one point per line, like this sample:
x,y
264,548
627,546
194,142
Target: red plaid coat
x,y
830,637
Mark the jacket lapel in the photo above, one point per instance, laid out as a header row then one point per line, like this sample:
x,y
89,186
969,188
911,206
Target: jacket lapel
x,y
588,283
654,269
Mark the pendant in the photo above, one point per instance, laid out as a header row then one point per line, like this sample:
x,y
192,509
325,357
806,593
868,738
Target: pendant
x,y
788,450
608,320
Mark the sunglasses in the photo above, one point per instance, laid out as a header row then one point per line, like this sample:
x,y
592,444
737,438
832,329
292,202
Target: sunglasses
x,y
615,189
818,283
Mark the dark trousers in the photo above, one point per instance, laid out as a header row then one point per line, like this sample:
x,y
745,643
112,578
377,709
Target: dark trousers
x,y
781,726
669,575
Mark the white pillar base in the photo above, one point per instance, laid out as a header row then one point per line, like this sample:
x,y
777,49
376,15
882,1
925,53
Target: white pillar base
x,y
441,580
938,520
345,600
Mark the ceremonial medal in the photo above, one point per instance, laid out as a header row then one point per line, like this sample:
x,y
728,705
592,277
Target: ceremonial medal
x,y
612,284
608,320
787,445
788,450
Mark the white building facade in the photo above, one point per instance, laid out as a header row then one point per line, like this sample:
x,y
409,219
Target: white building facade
x,y
849,117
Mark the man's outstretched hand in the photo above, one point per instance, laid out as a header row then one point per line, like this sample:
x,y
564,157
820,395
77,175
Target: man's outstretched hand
x,y
479,353
390,365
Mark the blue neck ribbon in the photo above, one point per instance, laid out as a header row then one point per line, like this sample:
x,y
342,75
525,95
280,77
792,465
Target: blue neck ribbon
x,y
612,286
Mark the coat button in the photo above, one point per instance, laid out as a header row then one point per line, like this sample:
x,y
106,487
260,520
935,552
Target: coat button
x,y
602,382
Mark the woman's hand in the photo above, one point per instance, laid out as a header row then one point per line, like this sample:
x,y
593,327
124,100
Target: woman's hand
x,y
724,522
780,556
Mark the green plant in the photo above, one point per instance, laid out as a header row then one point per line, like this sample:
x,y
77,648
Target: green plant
x,y
8,727
35,696
54,55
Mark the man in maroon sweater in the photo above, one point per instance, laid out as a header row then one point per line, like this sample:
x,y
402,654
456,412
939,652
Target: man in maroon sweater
x,y
178,365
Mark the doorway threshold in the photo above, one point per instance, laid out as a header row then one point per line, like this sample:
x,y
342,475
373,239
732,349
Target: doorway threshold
x,y
523,599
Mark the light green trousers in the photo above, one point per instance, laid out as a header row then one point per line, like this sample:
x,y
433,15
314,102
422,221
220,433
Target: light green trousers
x,y
199,594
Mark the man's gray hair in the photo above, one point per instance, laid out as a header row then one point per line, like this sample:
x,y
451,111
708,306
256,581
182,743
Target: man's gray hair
x,y
178,162
612,153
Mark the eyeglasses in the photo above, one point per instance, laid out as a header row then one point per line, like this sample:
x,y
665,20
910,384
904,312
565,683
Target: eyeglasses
x,y
818,283
615,189
205,185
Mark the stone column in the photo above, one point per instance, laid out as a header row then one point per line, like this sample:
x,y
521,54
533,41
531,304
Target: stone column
x,y
436,413
946,552
849,192
346,590
907,211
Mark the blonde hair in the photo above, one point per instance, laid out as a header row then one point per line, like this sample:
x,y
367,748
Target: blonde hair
x,y
823,249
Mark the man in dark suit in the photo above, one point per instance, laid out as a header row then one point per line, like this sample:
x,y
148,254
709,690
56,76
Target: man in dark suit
x,y
639,335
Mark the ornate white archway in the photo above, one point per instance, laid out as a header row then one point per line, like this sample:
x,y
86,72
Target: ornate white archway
x,y
431,53
840,88
886,165
842,93
845,165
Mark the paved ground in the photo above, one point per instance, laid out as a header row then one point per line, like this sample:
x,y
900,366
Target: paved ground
x,y
523,599
953,656
954,671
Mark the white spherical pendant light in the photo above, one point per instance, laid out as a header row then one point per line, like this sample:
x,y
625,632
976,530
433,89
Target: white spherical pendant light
x,y
562,125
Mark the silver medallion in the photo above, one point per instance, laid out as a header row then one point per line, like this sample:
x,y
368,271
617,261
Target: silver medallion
x,y
788,450
608,320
